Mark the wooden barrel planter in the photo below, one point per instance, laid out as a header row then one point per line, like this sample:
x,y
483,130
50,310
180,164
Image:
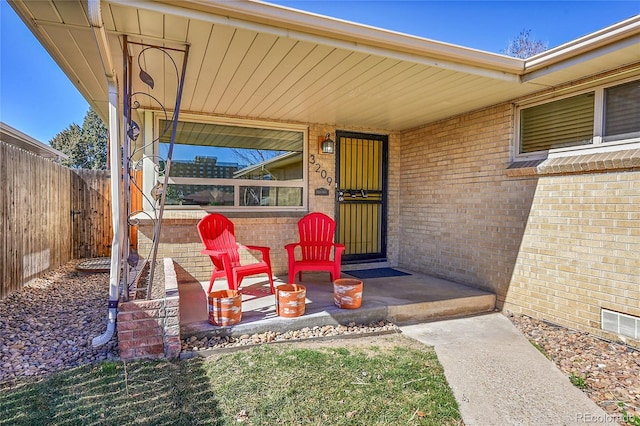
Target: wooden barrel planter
x,y
290,300
225,307
347,293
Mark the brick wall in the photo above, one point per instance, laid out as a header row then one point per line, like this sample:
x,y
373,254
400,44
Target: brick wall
x,y
580,251
324,204
395,173
559,241
180,240
460,216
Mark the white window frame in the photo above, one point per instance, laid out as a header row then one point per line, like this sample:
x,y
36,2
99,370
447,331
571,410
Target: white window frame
x,y
597,144
237,183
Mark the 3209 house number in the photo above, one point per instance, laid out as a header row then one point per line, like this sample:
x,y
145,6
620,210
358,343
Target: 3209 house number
x,y
318,169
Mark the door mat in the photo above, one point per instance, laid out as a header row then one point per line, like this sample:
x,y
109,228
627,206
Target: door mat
x,y
375,273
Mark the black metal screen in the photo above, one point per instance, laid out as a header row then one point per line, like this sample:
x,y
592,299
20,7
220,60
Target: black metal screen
x,y
361,197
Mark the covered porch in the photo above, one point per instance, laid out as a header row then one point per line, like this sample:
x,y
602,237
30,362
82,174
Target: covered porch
x,y
399,299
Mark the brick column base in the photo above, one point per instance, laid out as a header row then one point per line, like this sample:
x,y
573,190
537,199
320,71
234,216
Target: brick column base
x,y
151,328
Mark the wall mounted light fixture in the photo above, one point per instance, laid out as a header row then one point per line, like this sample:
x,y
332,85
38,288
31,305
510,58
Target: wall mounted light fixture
x,y
327,146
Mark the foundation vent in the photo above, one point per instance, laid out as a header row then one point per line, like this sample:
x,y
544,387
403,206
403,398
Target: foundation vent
x,y
622,324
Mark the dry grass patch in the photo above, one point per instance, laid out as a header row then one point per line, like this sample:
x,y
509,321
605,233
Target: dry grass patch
x,y
387,380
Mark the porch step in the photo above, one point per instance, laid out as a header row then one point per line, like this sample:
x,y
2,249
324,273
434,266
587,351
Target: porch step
x,y
401,300
442,309
402,314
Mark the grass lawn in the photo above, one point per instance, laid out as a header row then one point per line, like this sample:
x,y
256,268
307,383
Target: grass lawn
x,y
387,380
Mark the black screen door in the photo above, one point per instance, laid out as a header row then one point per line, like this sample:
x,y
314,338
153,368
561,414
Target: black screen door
x,y
361,195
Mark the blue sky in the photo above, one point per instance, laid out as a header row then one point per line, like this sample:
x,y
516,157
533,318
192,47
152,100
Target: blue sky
x,y
39,100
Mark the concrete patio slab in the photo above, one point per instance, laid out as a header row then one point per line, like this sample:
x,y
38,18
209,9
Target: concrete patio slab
x,y
402,299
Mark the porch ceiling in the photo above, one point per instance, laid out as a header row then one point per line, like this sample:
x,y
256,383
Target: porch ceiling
x,y
251,59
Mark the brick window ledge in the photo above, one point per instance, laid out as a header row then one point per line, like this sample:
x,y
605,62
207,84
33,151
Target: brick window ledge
x,y
628,160
177,217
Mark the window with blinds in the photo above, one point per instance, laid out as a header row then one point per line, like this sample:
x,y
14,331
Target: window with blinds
x,y
562,123
622,111
605,114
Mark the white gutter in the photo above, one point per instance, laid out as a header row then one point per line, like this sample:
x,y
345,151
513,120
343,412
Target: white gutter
x,y
16,137
95,20
290,23
600,39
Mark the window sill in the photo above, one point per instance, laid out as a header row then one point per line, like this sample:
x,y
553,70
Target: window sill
x,y
187,216
576,164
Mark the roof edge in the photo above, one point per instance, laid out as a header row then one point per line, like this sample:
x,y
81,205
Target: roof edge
x,y
320,25
590,42
22,139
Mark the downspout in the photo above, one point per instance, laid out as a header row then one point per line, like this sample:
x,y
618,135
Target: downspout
x,y
95,19
116,243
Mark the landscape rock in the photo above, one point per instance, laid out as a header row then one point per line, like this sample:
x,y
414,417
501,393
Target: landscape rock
x,y
48,325
611,371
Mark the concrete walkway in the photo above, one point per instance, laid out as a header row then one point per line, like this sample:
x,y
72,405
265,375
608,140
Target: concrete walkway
x,y
499,378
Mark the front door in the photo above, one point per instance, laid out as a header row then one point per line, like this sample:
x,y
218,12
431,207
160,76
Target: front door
x,y
361,195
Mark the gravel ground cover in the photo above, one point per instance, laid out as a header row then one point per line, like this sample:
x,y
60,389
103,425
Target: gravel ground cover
x,y
49,324
194,344
608,372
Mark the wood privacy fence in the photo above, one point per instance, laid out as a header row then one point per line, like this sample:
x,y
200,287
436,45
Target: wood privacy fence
x,y
49,214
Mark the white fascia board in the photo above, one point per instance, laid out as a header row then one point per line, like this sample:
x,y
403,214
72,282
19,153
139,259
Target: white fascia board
x,y
15,137
627,29
580,58
38,29
94,12
290,23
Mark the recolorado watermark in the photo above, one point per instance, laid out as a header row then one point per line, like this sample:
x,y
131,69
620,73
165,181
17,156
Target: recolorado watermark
x,y
601,419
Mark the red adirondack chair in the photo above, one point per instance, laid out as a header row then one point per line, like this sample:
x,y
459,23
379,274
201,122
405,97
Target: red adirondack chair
x,y
316,246
217,234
